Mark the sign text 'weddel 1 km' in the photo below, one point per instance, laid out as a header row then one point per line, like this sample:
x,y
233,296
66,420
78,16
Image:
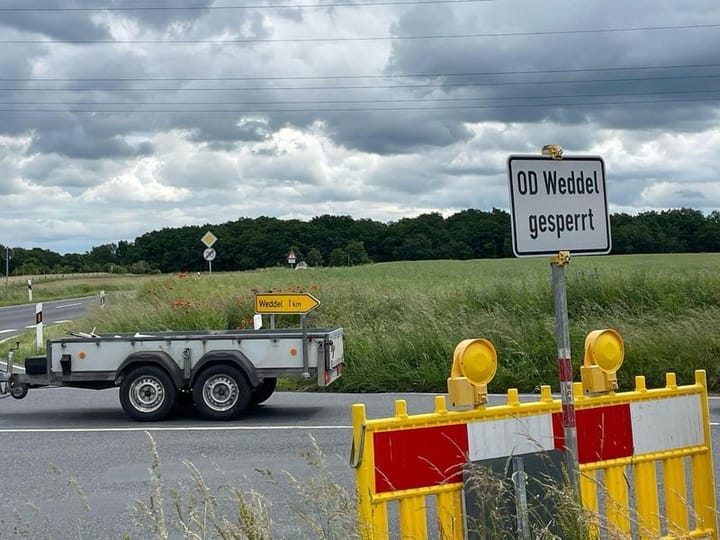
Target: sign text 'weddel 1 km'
x,y
294,303
558,204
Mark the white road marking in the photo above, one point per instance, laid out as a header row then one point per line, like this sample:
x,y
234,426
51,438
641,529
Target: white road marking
x,y
180,429
8,330
69,305
61,322
7,339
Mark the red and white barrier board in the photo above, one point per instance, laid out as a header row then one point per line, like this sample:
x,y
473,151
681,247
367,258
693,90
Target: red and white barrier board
x,y
430,456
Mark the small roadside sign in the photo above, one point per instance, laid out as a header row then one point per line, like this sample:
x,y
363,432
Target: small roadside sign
x,y
292,257
208,239
558,205
209,254
294,303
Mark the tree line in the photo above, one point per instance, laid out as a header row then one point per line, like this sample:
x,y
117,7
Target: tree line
x,y
328,240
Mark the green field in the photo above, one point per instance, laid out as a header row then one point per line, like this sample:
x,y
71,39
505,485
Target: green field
x,y
402,321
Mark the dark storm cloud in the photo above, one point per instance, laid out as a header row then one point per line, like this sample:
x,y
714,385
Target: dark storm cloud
x,y
78,144
55,25
83,25
569,96
397,133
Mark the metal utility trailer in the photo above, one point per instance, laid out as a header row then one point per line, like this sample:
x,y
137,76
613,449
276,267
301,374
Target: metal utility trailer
x,y
221,372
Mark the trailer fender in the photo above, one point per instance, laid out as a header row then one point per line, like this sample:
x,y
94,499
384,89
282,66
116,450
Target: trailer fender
x,y
233,357
157,358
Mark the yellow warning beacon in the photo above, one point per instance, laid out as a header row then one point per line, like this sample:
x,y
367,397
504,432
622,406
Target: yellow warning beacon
x,y
604,354
474,365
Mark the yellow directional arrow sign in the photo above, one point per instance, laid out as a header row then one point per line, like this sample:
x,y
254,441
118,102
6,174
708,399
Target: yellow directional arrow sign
x,y
292,303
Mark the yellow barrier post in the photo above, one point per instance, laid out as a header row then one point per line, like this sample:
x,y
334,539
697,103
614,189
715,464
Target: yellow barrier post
x,y
703,484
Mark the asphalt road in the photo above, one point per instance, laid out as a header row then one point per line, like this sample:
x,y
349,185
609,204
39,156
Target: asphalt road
x,y
73,464
16,320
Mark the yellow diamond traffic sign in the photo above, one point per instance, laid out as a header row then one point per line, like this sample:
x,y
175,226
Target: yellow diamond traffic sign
x,y
208,239
294,303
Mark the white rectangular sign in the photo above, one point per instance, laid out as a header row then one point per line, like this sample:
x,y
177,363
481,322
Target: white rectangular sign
x,y
558,204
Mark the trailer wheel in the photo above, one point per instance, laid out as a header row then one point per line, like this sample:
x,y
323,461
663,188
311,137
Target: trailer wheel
x,y
18,391
263,392
221,392
147,394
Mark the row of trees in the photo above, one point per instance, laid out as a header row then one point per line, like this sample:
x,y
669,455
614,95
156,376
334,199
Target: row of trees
x,y
328,240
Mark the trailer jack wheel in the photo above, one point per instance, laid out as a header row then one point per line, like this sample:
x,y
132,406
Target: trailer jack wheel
x,y
18,391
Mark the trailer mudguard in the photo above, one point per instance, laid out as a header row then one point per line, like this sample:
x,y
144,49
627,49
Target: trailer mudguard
x,y
233,357
158,358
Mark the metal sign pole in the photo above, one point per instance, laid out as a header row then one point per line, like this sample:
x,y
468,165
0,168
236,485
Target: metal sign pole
x,y
562,333
306,360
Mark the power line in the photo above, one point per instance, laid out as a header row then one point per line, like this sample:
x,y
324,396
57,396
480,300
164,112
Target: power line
x,y
358,38
363,109
356,101
356,76
369,87
218,8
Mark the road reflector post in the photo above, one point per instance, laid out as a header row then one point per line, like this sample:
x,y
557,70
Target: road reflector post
x,y
39,325
604,354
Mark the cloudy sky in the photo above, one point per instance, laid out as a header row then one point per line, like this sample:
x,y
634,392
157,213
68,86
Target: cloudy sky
x,y
118,117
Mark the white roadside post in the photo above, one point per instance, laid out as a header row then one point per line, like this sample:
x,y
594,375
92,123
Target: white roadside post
x,y
29,283
39,325
102,299
257,321
558,207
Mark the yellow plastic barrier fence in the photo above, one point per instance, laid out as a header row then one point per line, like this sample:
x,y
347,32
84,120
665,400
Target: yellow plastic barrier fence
x,y
645,460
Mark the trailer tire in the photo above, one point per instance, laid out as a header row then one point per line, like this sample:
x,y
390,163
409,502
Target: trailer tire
x,y
221,392
18,390
147,394
263,392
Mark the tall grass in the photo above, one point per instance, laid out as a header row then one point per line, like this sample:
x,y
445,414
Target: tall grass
x,y
325,510
402,321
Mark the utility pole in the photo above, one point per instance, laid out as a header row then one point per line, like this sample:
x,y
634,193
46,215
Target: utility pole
x,y
8,256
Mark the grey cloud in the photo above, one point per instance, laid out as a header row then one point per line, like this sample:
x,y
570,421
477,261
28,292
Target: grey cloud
x,y
691,196
382,133
163,18
58,170
626,191
573,97
56,25
225,130
82,146
201,174
456,170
